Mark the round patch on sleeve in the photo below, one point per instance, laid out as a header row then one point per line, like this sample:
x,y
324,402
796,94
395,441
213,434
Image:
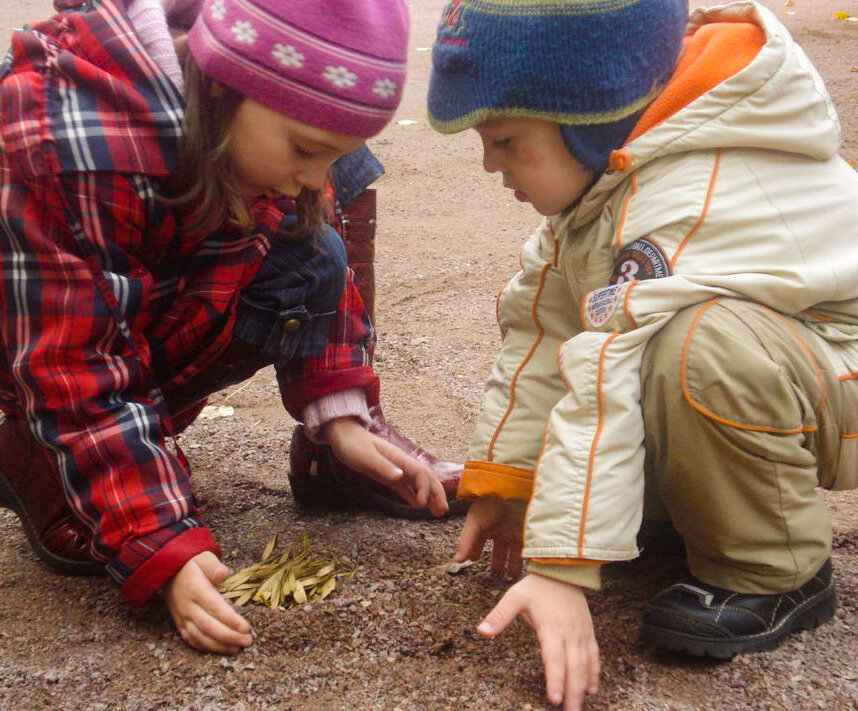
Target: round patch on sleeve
x,y
640,260
601,304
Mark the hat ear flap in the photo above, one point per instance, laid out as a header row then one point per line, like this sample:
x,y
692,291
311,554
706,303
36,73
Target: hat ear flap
x,y
592,144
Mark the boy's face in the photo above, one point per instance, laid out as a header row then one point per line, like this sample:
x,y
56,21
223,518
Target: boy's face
x,y
274,155
534,161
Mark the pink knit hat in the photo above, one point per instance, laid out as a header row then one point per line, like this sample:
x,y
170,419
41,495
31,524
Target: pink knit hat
x,y
335,64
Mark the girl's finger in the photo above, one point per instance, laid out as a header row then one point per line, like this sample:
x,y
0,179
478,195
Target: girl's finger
x,y
377,465
437,503
428,491
196,638
211,603
421,486
215,630
410,467
406,492
212,567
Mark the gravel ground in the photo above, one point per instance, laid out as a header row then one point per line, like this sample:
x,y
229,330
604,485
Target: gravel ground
x,y
399,635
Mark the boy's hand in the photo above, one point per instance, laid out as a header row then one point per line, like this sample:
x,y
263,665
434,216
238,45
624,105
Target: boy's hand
x,y
204,619
561,617
384,462
500,520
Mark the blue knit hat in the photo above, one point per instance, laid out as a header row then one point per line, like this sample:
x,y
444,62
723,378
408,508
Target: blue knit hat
x,y
591,66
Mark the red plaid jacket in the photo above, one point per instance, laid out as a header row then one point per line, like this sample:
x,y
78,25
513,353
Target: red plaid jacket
x,y
93,271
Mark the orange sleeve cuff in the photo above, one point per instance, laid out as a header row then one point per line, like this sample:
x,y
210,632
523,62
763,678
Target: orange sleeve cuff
x,y
498,480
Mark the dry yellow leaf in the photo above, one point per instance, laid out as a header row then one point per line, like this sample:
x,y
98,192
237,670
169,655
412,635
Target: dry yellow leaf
x,y
269,549
326,588
299,594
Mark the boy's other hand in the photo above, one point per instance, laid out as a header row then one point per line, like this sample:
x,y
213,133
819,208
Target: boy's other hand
x,y
498,520
204,619
356,447
559,614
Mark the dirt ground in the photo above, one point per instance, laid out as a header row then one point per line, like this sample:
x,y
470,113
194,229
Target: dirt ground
x,y
399,636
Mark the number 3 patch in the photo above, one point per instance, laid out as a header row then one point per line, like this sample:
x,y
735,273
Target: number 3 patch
x,y
642,259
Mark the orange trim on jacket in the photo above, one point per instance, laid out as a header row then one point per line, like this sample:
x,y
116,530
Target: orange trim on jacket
x,y
498,480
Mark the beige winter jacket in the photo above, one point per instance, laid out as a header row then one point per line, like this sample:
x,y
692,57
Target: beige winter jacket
x,y
730,185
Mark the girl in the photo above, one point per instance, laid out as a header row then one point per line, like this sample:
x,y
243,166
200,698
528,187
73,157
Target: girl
x,y
162,238
688,310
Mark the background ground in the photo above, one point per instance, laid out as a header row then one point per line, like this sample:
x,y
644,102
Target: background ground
x,y
399,635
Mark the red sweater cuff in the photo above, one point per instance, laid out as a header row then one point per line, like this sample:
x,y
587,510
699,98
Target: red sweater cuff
x,y
152,575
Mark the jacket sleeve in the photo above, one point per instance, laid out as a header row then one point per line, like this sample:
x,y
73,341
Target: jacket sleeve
x,y
71,293
523,385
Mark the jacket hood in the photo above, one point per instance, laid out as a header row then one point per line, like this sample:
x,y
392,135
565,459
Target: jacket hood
x,y
741,82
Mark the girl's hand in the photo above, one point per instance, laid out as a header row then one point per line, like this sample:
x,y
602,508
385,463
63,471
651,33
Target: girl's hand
x,y
500,520
204,619
382,461
561,617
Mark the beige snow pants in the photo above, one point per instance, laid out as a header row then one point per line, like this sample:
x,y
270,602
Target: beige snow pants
x,y
745,418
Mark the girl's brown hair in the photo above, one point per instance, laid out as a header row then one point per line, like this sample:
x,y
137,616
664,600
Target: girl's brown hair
x,y
204,182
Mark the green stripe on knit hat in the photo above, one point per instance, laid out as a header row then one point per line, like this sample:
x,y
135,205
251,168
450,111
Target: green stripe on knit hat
x,y
477,116
541,7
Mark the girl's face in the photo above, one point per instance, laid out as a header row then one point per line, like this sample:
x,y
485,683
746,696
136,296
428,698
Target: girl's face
x,y
274,155
534,161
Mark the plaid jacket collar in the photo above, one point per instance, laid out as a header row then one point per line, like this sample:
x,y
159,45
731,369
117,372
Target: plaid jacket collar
x,y
100,102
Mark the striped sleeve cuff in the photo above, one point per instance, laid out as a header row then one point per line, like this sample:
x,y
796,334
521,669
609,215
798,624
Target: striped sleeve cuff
x,y
584,573
348,403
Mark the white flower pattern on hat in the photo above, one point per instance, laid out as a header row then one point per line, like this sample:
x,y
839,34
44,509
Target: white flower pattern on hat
x,y
287,55
244,32
218,9
385,88
340,77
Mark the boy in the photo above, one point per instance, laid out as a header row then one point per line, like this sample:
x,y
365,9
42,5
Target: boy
x,y
688,311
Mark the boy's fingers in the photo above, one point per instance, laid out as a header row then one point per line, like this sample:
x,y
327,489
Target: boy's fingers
x,y
577,672
499,618
594,669
500,552
554,662
514,562
471,542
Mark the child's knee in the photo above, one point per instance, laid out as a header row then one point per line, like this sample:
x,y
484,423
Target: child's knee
x,y
737,364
